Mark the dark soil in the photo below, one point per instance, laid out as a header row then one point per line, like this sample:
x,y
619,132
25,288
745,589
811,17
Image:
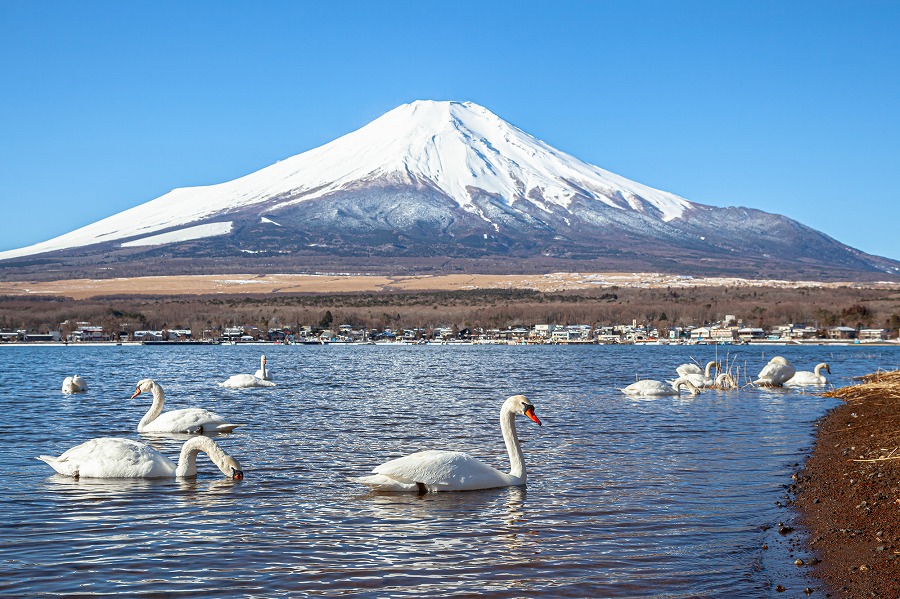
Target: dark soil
x,y
852,508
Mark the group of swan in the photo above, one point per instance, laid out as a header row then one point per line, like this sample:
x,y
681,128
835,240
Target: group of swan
x,y
689,376
262,378
114,457
779,372
424,471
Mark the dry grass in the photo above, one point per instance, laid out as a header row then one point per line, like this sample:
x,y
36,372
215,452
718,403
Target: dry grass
x,y
878,385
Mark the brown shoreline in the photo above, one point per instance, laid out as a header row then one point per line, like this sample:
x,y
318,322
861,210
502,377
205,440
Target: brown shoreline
x,y
848,494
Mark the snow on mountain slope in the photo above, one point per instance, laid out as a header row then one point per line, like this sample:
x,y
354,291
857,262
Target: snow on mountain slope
x,y
449,146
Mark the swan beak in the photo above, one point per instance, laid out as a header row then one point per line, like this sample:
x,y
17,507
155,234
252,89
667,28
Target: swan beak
x,y
529,411
237,474
136,393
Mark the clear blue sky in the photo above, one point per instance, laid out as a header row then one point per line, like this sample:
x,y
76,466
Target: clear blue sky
x,y
789,107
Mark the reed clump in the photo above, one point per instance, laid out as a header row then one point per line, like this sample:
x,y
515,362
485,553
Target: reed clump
x,y
879,385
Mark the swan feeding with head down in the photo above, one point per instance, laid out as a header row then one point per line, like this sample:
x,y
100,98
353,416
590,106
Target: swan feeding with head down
x,y
187,420
653,388
805,377
434,470
776,373
113,457
74,384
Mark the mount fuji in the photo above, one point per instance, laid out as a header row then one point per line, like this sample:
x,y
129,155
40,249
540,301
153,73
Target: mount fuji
x,y
439,187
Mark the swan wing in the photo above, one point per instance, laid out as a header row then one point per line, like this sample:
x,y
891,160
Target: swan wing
x,y
189,420
112,457
648,388
245,381
775,373
686,369
443,471
805,377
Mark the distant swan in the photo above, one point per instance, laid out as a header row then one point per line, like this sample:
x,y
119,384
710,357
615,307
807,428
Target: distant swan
x,y
188,420
776,373
263,372
247,381
652,388
74,384
805,377
431,471
112,457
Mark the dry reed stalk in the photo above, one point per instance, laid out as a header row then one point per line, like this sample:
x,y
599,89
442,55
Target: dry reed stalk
x,y
879,385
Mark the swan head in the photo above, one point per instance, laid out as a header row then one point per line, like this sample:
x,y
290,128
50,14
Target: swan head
x,y
143,386
236,472
519,404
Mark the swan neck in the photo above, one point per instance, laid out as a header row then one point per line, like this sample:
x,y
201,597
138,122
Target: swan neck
x,y
516,459
187,461
159,398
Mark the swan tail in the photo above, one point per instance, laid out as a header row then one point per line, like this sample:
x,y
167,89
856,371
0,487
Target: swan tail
x,y
379,482
226,428
60,466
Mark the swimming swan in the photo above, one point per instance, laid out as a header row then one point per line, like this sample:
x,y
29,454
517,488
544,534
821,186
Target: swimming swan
x,y
188,420
112,457
431,471
652,388
248,381
74,384
805,377
776,373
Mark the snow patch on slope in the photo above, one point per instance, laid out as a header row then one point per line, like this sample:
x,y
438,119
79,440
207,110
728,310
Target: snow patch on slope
x,y
187,234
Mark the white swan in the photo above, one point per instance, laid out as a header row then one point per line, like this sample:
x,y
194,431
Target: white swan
x,y
805,377
431,471
188,420
263,372
776,373
74,384
247,381
112,457
652,388
703,378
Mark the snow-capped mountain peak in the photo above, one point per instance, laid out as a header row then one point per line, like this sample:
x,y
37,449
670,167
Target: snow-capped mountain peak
x,y
453,147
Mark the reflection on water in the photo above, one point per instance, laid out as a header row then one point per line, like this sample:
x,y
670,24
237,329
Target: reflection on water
x,y
670,497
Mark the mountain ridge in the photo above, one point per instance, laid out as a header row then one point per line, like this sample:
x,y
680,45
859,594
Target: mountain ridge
x,y
444,185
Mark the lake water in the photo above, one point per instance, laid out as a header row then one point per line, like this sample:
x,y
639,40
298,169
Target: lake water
x,y
671,497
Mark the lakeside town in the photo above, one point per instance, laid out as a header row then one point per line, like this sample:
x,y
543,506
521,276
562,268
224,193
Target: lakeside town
x,y
728,331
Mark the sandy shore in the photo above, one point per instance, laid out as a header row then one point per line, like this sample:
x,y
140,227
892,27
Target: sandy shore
x,y
347,283
849,497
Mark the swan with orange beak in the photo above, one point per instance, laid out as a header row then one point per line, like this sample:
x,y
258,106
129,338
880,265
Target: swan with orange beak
x,y
434,470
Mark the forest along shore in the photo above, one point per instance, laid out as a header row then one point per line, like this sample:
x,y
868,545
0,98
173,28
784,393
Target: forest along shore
x,y
848,492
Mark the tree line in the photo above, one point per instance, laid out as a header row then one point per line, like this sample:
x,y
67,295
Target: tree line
x,y
763,307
